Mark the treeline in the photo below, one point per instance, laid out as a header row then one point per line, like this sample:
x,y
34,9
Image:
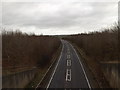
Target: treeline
x,y
96,48
100,46
23,50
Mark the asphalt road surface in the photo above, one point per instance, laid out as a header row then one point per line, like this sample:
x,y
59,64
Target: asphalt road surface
x,y
69,71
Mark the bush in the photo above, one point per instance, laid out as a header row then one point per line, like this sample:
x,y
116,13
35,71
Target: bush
x,y
102,46
20,49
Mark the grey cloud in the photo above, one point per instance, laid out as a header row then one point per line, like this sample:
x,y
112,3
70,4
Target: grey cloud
x,y
54,1
59,15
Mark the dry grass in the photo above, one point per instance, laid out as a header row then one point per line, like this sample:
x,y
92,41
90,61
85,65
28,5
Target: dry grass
x,y
103,45
21,50
98,47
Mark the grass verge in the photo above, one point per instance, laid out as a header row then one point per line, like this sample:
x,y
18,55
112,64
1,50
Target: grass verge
x,y
41,72
99,80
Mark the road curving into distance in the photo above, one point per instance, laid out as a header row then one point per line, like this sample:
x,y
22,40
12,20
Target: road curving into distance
x,y
69,71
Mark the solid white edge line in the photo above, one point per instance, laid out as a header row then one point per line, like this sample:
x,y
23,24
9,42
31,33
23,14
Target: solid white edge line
x,y
82,67
55,68
44,75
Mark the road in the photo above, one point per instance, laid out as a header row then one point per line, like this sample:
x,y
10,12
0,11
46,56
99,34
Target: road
x,y
69,71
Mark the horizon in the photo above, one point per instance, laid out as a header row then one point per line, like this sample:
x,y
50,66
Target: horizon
x,y
59,18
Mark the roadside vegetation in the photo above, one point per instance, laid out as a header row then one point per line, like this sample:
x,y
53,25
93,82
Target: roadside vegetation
x,y
102,45
97,48
21,51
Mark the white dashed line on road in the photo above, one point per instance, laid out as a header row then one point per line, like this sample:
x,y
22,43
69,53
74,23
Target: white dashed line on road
x,y
68,75
68,56
68,62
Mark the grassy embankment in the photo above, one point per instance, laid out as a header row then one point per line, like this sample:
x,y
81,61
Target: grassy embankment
x,y
21,52
96,48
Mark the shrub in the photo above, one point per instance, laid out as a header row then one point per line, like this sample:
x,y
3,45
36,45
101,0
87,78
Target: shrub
x,y
20,49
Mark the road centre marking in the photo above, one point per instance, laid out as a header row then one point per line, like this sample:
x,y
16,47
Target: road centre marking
x,y
68,56
68,62
68,75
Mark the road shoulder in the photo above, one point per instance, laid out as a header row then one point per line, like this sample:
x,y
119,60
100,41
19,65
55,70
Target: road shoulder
x,y
90,75
47,75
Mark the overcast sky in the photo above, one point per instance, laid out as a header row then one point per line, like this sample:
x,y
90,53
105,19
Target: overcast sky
x,y
51,17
